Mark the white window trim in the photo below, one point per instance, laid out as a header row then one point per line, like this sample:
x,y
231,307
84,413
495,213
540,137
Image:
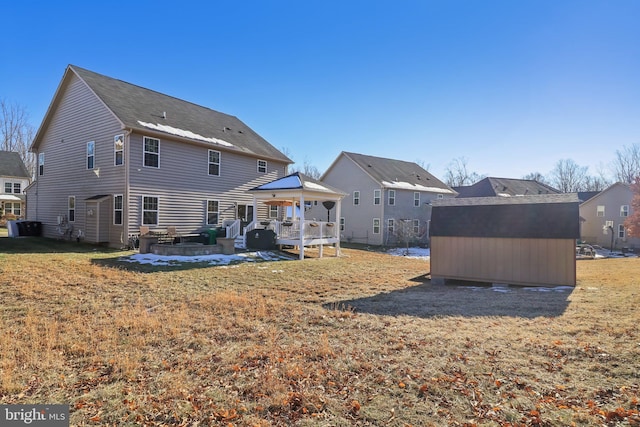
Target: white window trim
x,y
273,212
144,151
378,226
416,199
259,167
209,162
142,210
356,198
40,164
91,156
377,197
391,225
600,213
622,232
416,226
69,208
116,150
342,223
391,196
624,211
115,196
206,220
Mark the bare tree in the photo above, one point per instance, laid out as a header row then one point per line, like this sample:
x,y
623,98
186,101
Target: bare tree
x,y
16,133
594,183
568,176
423,165
307,168
457,173
535,176
626,166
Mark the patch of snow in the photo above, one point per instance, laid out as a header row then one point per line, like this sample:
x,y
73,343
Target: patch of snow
x,y
314,186
217,259
415,187
413,252
184,133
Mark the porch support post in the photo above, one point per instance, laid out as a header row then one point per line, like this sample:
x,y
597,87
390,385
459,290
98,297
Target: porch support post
x,y
255,209
337,225
301,225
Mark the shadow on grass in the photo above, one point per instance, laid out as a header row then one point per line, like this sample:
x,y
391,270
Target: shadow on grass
x,y
43,245
465,299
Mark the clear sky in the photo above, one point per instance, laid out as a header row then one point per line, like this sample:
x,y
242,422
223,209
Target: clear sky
x,y
513,86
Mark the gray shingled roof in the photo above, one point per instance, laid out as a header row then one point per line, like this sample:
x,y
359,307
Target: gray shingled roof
x,y
389,172
491,186
11,164
134,104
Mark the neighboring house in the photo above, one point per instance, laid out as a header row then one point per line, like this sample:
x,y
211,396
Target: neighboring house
x,y
603,215
388,201
14,179
527,240
113,157
504,187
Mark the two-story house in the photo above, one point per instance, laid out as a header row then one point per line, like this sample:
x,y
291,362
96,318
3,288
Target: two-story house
x,y
602,218
505,187
14,179
113,156
388,201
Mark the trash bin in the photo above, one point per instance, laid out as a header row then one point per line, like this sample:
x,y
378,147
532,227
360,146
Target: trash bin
x,y
212,236
261,239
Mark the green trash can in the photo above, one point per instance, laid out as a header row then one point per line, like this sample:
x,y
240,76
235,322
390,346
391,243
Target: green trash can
x,y
212,236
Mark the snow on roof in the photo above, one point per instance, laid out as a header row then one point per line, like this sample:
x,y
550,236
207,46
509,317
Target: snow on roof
x,y
184,133
415,187
314,186
291,181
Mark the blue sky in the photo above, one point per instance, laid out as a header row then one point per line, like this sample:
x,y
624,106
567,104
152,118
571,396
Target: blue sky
x,y
512,86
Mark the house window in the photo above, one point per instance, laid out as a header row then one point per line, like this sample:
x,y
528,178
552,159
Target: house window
x,y
17,187
600,210
72,208
608,226
214,163
416,199
118,150
262,166
91,154
12,208
150,210
151,152
356,198
440,196
391,226
273,212
213,212
376,225
8,187
416,227
117,209
341,223
392,197
621,231
376,197
624,210
41,164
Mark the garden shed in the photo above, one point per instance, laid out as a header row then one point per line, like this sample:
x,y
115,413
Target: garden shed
x,y
524,240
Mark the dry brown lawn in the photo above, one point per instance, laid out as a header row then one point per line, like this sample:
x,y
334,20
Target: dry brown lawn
x,y
363,339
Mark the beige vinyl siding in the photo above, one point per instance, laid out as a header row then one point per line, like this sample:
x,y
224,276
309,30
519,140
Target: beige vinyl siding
x,y
183,184
345,175
79,117
501,260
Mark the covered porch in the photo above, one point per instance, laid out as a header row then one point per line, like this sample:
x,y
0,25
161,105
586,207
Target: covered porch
x,y
296,190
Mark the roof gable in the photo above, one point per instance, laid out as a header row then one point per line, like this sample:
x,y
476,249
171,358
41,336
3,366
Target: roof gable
x,y
144,110
505,187
397,174
298,181
11,164
609,190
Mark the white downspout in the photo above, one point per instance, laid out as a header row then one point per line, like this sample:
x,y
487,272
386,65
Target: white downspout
x,y
301,226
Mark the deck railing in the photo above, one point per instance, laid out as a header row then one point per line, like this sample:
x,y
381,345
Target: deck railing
x,y
312,229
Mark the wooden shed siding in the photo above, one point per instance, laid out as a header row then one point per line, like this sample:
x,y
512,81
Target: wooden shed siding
x,y
79,118
501,260
183,184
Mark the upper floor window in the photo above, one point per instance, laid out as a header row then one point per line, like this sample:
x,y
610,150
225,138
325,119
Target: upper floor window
x,y
118,150
356,198
117,209
376,225
416,199
91,154
72,208
12,187
41,164
8,187
621,231
273,212
262,166
214,163
391,225
17,187
150,210
600,210
213,212
151,152
624,210
392,197
377,195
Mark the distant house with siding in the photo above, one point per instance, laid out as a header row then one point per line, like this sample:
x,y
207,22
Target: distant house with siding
x,y
603,216
113,157
14,179
526,240
386,198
